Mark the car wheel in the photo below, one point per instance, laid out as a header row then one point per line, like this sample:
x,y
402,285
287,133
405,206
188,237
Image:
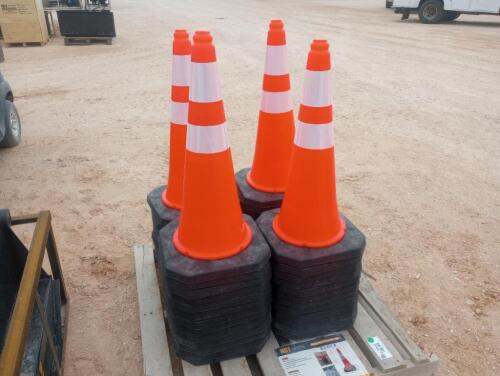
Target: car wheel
x,y
431,11
13,126
388,4
450,15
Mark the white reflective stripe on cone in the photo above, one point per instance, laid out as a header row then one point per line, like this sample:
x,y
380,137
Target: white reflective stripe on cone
x,y
180,70
317,91
207,139
314,136
204,83
179,113
276,102
276,61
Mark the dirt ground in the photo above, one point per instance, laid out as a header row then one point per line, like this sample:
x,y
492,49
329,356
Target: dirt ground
x,y
417,145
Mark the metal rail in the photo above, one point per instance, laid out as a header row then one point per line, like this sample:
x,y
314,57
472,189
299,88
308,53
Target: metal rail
x,y
27,297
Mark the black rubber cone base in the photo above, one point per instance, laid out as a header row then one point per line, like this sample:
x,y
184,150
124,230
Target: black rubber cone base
x,y
193,308
200,338
244,280
298,331
317,272
226,320
221,292
217,309
160,214
349,248
314,290
200,272
204,356
254,202
320,289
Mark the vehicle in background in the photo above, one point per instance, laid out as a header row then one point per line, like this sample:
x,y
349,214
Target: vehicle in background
x,y
435,11
10,123
388,3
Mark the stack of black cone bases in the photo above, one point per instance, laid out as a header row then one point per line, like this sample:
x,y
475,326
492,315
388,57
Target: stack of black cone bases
x,y
315,291
218,309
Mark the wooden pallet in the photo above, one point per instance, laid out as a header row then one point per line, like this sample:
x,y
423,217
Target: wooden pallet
x,y
374,319
26,44
85,41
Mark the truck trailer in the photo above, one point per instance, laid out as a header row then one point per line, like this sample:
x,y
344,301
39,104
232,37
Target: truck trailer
x,y
435,11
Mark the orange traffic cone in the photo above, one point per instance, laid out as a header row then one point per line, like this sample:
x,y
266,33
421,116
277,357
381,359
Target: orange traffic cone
x,y
309,216
211,223
274,144
181,60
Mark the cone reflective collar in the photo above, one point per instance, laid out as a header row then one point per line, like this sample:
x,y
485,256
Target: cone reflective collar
x,y
181,60
309,216
274,144
211,223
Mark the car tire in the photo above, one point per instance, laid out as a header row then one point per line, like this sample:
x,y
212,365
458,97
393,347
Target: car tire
x,y
431,11
388,4
12,126
450,16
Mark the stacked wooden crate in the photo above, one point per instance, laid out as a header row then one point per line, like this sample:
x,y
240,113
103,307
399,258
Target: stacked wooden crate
x,y
23,22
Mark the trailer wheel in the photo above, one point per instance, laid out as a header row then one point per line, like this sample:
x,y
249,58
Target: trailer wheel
x,y
431,11
450,15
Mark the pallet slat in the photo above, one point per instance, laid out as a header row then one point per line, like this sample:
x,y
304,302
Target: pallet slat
x,y
85,41
190,370
236,367
393,324
268,360
424,369
26,44
358,351
154,341
365,327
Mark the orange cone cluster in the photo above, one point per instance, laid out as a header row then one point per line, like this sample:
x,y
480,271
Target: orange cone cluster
x,y
215,258
296,159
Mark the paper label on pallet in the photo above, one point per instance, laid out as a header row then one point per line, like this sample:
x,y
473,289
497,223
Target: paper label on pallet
x,y
379,348
324,356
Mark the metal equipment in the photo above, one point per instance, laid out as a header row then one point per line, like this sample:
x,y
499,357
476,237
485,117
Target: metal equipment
x,y
34,329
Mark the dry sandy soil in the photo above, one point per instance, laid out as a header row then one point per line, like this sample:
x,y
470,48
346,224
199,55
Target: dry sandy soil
x,y
417,144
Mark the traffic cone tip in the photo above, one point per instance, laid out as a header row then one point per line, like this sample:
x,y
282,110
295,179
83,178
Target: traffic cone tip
x,y
276,24
181,44
319,56
276,34
203,51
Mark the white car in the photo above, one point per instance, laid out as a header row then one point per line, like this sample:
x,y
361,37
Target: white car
x,y
434,11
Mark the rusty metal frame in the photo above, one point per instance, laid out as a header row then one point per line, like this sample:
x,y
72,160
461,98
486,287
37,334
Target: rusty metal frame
x,y
17,332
